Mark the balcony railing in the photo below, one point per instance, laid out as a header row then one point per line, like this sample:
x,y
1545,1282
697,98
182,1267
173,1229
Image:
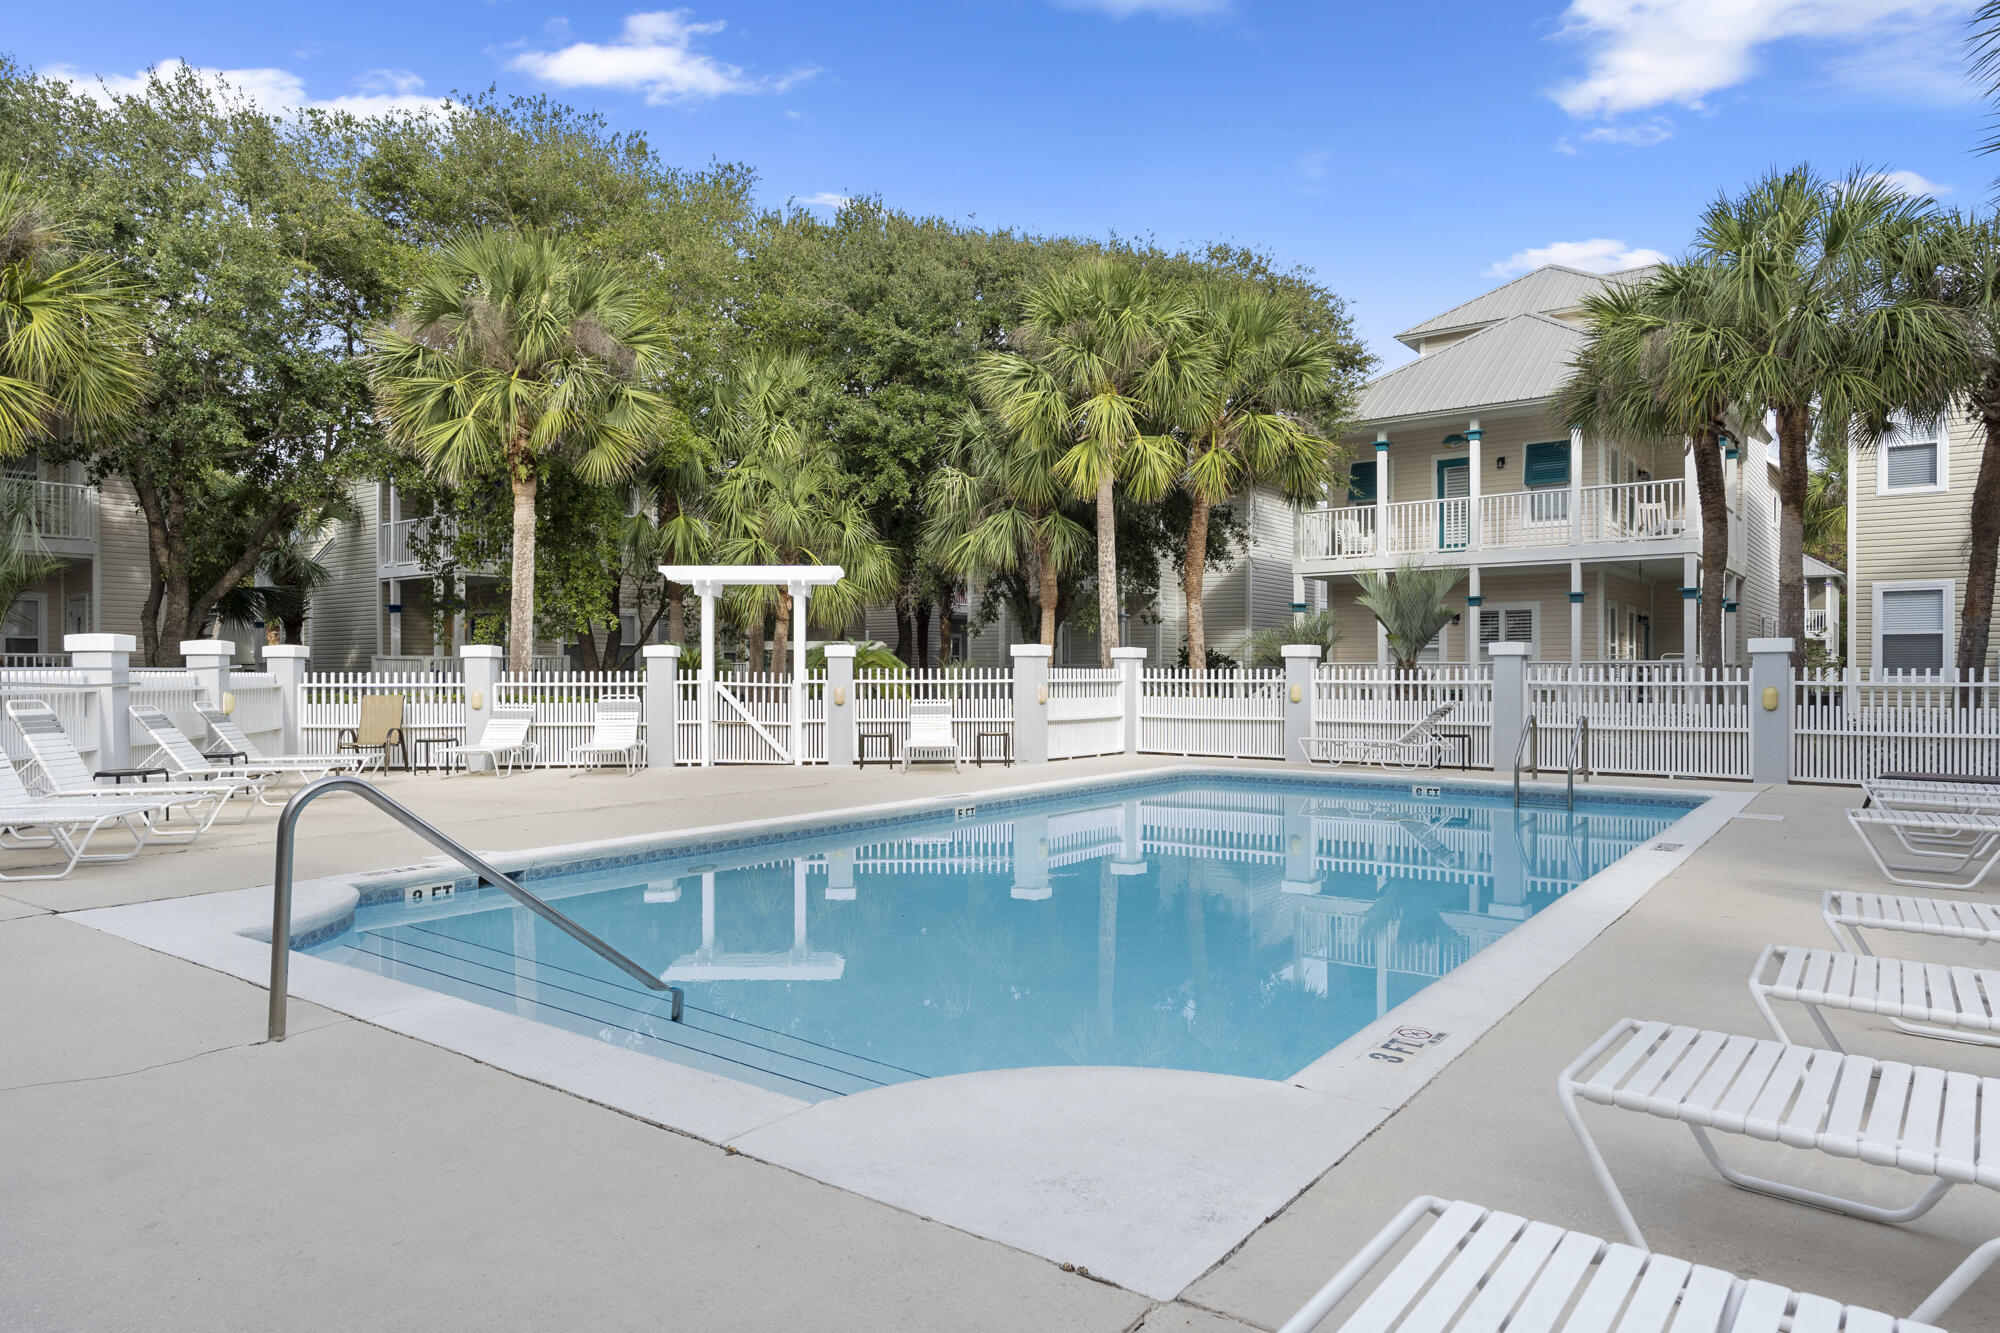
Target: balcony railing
x,y
1640,512
63,512
1815,624
396,543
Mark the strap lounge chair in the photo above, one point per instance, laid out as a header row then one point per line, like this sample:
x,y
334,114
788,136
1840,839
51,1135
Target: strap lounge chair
x,y
304,767
58,767
930,732
68,823
505,743
1925,1121
1419,747
1477,1268
380,729
614,735
1931,999
1949,918
1970,841
190,764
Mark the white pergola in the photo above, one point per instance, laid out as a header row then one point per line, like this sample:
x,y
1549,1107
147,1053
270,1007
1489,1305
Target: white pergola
x,y
708,581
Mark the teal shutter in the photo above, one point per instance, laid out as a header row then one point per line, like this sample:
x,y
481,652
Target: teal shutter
x,y
1548,465
1361,484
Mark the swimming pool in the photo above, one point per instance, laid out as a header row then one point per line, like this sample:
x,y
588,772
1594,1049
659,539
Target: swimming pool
x,y
1222,924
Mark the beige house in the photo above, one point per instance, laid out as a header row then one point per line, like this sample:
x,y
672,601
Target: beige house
x,y
1909,501
1585,548
99,534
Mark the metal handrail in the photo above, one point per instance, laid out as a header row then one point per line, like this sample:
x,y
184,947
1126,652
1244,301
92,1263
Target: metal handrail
x,y
1580,757
1533,731
281,892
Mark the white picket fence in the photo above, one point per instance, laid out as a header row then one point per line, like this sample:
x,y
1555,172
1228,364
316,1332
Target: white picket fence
x,y
565,705
1847,728
981,699
258,709
70,693
1680,722
1379,703
1231,714
175,693
753,719
330,702
1086,714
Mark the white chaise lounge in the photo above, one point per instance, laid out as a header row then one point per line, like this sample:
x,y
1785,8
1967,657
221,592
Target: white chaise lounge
x,y
1931,999
1418,747
300,768
930,733
614,735
1967,839
1922,1120
1854,911
68,823
190,764
504,745
1475,1268
60,769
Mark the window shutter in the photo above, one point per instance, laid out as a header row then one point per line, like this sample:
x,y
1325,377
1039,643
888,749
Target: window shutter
x,y
1520,625
1361,484
1912,652
1506,624
1913,630
1489,626
1547,465
1912,464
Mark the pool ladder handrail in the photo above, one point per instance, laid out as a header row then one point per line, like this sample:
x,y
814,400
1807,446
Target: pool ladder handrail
x,y
281,891
1579,757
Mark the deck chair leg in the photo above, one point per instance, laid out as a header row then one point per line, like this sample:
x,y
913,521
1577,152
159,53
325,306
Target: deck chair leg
x,y
1565,1093
1970,1270
1832,1203
1943,1034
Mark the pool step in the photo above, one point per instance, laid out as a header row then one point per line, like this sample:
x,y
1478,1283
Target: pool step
x,y
616,1012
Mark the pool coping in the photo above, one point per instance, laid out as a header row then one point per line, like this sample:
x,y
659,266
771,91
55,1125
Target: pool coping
x,y
930,1146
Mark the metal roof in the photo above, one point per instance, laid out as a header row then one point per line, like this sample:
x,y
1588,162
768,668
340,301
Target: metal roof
x,y
1518,360
1549,288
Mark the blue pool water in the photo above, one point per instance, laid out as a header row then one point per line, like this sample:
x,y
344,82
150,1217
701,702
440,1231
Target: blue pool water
x,y
1230,925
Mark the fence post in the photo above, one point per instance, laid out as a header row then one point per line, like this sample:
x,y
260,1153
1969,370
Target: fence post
x,y
1131,664
209,660
287,664
1301,672
482,683
1511,707
1031,703
1771,710
661,701
108,659
840,706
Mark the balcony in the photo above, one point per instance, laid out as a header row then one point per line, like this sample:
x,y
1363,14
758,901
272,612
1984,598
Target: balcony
x,y
65,515
396,555
1514,527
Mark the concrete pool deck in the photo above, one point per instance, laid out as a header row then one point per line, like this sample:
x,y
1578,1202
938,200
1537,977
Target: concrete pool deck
x,y
165,1169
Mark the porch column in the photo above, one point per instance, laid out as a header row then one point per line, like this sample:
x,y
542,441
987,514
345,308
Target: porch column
x,y
395,617
1472,438
1472,604
706,591
1832,600
1729,609
1575,610
1690,607
799,593
1381,494
1576,485
461,614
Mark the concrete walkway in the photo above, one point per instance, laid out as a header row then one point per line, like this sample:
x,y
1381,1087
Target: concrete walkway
x,y
162,1168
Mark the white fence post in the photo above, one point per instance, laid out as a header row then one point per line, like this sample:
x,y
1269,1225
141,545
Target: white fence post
x,y
661,695
208,660
840,705
1771,710
287,664
1031,702
1131,663
1301,671
1510,702
108,659
482,684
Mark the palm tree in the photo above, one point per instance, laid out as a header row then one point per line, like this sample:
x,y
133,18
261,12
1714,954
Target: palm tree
x,y
1267,645
1826,506
1656,365
1816,331
994,506
1411,604
1093,346
1241,404
24,558
69,358
783,499
512,353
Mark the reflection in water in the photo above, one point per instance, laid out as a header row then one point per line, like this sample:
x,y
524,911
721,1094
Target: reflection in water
x,y
1229,928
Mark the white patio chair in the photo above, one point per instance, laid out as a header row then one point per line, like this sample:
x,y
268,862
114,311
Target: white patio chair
x,y
1476,1268
614,735
1350,538
1968,839
304,767
930,732
59,768
1922,1120
1931,999
505,743
189,763
1418,747
68,823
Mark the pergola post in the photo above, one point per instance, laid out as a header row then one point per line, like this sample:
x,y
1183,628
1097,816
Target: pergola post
x,y
706,591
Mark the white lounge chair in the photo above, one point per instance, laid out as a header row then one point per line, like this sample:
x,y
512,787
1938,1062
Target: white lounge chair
x,y
301,768
189,763
1949,918
1418,747
930,732
1476,1268
60,769
614,735
1933,999
1912,793
1970,840
1925,1121
504,745
68,823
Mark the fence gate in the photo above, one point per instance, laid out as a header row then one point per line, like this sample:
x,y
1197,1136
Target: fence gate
x,y
750,719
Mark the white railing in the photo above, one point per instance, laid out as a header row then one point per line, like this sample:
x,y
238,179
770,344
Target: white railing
x,y
396,543
981,699
1341,534
258,710
1086,714
1816,623
71,694
1644,511
1233,714
565,705
1849,728
1635,511
330,702
1646,718
177,694
1378,703
63,512
1524,518
33,661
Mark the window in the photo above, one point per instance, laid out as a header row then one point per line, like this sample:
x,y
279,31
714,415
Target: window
x,y
21,630
1911,627
1546,474
1507,624
1910,456
1361,484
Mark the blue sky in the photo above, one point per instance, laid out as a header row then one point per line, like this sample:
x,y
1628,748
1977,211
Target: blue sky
x,y
1413,154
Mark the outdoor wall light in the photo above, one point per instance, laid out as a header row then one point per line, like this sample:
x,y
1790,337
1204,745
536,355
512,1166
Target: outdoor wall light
x,y
475,700
1298,695
1500,463
228,703
1770,698
840,696
1042,695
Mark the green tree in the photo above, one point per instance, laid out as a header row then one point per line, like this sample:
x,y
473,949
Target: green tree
x,y
511,351
1315,627
24,558
1412,603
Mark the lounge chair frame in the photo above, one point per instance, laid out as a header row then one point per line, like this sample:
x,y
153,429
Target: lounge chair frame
x,y
58,766
191,765
299,768
931,733
614,735
1968,839
1932,999
505,743
1418,747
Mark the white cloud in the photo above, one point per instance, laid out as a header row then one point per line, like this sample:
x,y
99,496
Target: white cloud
x,y
1910,183
826,199
1644,134
1125,9
273,89
1597,255
654,54
1648,53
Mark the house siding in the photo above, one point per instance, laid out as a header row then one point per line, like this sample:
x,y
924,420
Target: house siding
x,y
346,611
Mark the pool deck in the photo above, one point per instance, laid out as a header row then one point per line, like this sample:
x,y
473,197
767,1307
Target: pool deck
x,y
164,1168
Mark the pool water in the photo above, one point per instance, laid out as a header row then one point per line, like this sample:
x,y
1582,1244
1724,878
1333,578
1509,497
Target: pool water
x,y
1226,925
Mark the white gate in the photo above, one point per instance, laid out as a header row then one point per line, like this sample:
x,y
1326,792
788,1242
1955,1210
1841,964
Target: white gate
x,y
750,719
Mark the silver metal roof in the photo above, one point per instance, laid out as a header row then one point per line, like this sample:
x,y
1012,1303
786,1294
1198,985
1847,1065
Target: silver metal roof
x,y
1518,360
1549,288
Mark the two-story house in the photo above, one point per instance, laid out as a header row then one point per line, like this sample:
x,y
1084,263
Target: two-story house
x,y
1585,547
99,536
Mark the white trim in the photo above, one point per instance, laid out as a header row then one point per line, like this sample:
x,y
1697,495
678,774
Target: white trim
x,y
1942,442
1946,586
